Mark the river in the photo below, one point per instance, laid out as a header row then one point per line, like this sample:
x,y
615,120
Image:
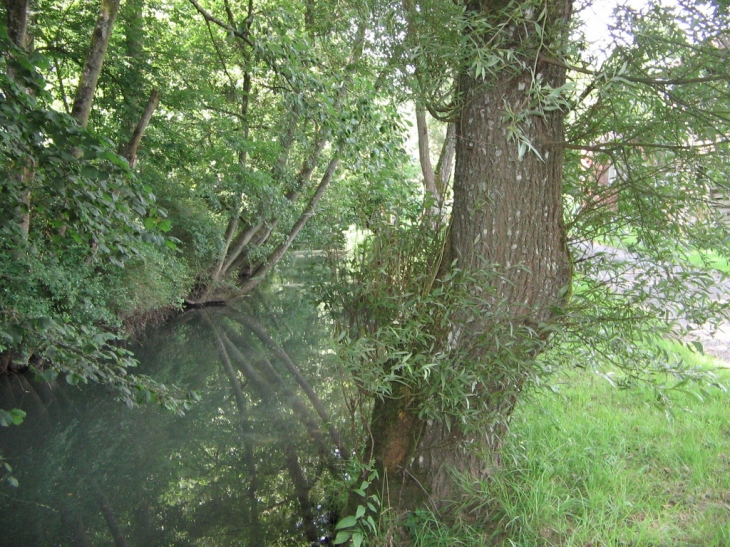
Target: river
x,y
258,461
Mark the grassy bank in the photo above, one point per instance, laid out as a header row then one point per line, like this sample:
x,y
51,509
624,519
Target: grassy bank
x,y
597,466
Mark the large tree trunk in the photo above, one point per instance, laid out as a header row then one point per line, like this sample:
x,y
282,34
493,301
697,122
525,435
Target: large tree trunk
x,y
507,219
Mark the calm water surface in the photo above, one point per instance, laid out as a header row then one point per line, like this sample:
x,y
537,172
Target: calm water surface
x,y
256,462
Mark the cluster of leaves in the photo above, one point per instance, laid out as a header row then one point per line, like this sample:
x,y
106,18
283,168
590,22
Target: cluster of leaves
x,y
652,119
404,317
362,524
71,214
656,111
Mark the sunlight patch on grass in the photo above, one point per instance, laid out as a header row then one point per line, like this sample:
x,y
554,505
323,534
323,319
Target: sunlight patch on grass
x,y
709,260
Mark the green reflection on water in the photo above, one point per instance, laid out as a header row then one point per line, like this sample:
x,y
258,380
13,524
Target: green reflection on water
x,y
254,463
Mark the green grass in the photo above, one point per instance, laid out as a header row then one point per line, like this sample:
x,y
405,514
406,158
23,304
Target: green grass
x,y
709,260
597,466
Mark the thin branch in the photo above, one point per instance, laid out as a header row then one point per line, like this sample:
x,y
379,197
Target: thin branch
x,y
213,19
634,79
220,55
61,87
279,252
611,146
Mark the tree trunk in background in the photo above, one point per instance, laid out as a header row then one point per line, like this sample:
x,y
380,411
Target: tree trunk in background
x,y
130,149
111,519
75,530
131,20
135,117
507,216
94,61
17,21
446,160
424,155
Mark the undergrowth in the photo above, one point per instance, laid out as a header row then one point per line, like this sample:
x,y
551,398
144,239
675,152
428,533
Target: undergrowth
x,y
591,465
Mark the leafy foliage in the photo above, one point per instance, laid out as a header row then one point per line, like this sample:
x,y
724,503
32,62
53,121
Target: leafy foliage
x,y
71,215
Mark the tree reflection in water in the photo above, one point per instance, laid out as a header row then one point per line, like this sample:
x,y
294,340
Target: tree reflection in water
x,y
256,462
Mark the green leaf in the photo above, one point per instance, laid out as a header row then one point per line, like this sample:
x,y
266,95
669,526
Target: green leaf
x,y
12,417
341,537
347,522
91,172
44,323
17,416
13,482
360,511
47,375
114,158
165,225
150,223
357,538
72,379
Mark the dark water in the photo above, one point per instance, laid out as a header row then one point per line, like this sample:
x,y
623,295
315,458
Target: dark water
x,y
256,462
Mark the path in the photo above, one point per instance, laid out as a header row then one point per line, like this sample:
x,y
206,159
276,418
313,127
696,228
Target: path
x,y
715,341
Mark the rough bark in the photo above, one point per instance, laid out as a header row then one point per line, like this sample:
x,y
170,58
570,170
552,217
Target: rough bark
x,y
507,217
94,61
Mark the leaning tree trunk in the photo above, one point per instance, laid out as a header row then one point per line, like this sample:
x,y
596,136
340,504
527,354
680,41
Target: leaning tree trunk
x,y
94,61
507,218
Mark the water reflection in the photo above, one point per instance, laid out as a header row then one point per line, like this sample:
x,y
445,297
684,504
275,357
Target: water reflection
x,y
255,463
